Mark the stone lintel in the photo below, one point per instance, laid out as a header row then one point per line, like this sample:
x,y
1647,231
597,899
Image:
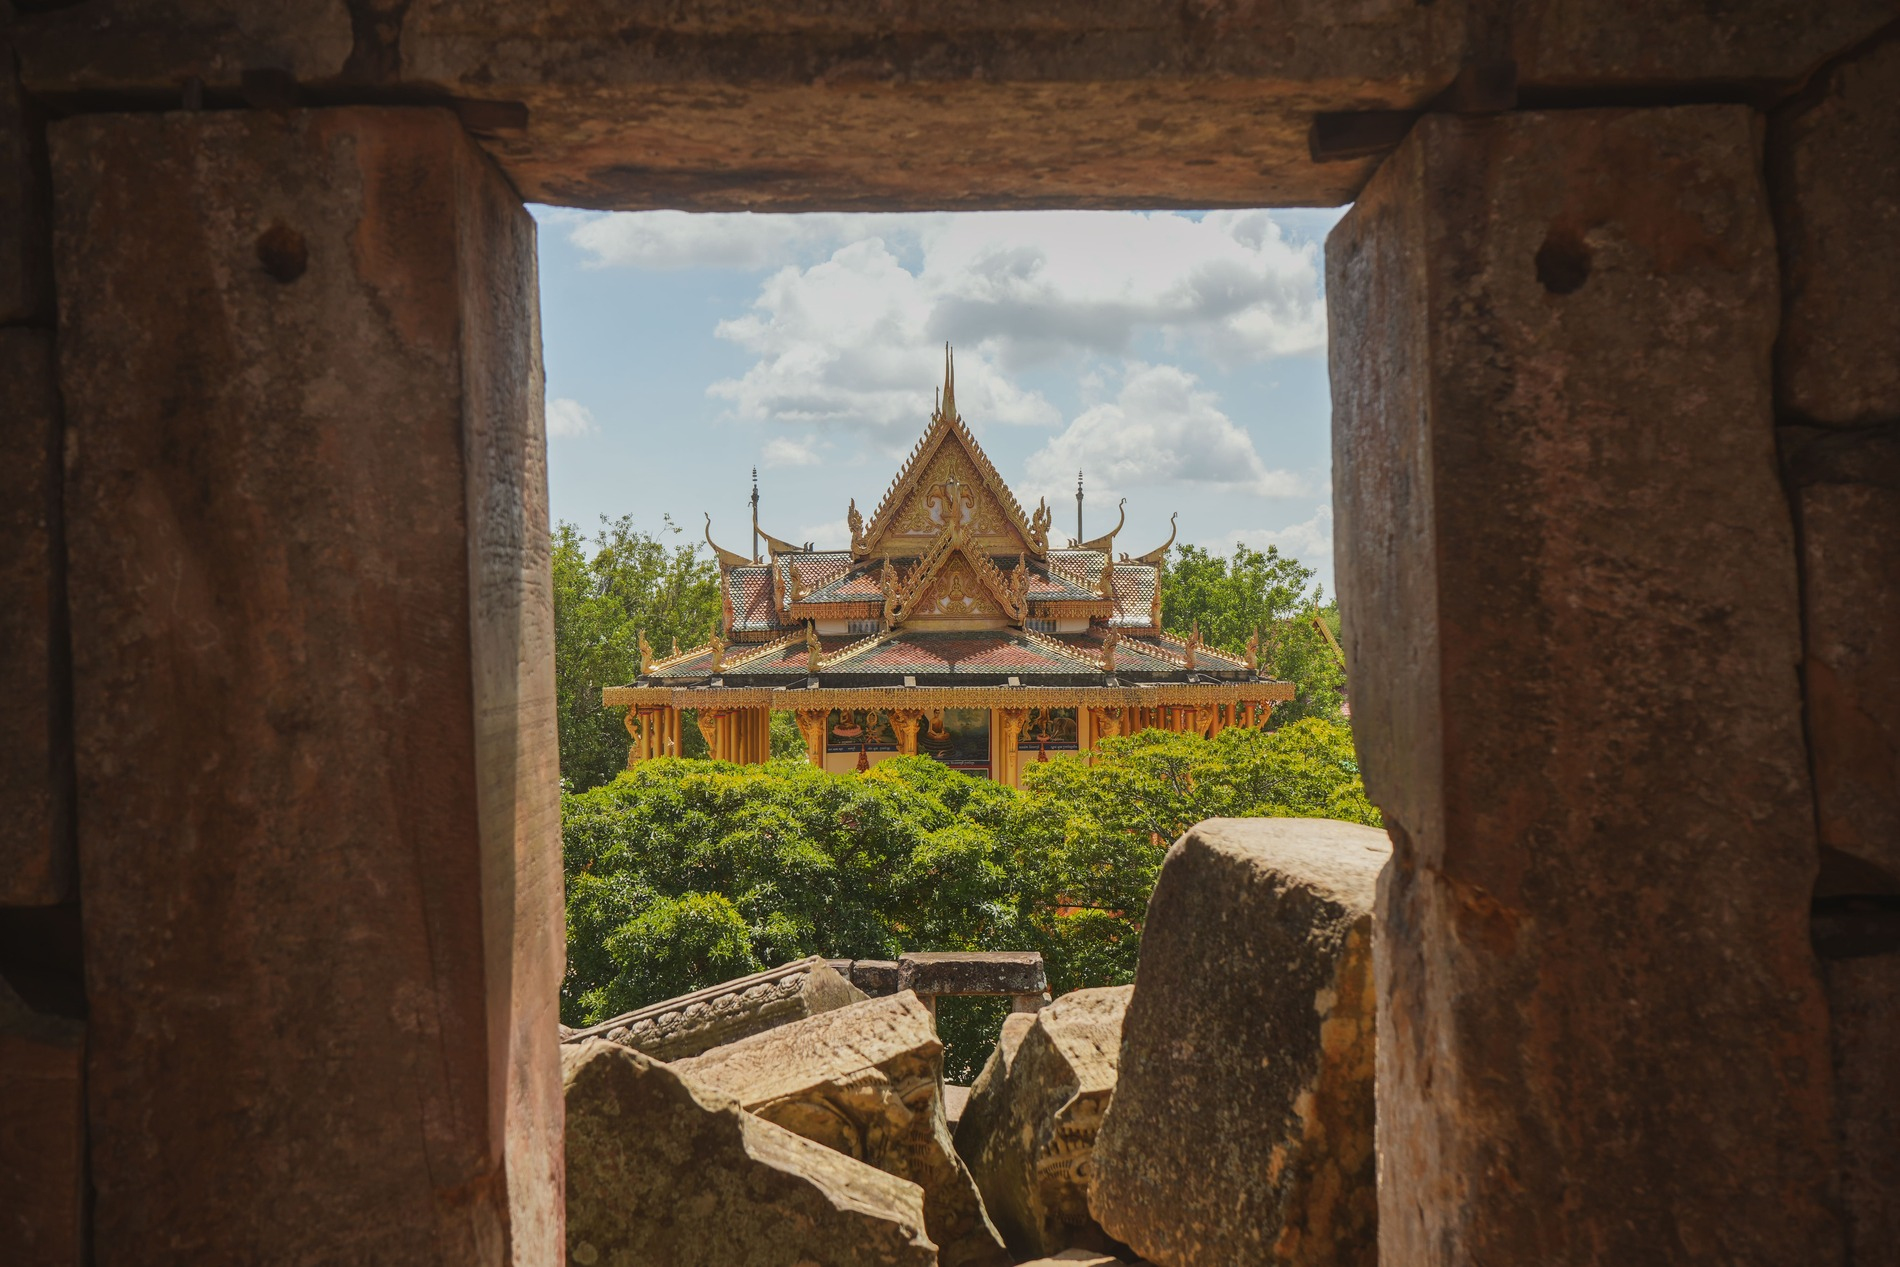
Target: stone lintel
x,y
980,972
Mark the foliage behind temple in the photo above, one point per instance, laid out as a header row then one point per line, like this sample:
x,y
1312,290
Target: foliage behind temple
x,y
685,873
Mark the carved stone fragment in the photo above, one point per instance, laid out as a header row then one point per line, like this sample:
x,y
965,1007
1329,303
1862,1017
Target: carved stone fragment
x,y
972,972
1028,1132
724,1013
865,1080
661,1170
1247,1055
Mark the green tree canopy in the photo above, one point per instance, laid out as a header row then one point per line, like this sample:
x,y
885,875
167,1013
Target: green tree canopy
x,y
684,873
1264,592
606,591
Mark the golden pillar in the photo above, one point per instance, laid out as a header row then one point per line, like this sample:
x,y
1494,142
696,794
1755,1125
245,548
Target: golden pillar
x,y
811,725
1009,722
904,721
638,751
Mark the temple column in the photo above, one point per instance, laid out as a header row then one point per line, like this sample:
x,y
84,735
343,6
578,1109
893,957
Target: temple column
x,y
1568,575
312,655
811,726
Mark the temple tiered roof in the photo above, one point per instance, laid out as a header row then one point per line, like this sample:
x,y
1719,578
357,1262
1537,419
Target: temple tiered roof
x,y
950,595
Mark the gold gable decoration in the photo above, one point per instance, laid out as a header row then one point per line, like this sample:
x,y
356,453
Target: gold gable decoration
x,y
948,451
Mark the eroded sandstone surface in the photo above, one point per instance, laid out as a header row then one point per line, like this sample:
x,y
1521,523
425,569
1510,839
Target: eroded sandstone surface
x,y
663,1171
1242,1126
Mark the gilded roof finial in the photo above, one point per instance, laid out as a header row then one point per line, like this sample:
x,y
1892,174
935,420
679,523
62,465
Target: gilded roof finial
x,y
646,654
949,407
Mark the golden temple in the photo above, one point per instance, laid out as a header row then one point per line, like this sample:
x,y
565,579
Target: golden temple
x,y
951,627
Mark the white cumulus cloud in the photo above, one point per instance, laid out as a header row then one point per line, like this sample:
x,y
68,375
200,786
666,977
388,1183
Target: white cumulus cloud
x,y
847,329
1310,541
569,418
785,451
1161,429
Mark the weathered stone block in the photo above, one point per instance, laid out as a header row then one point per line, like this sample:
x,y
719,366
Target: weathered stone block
x,y
1568,575
1846,488
42,1136
36,849
662,1170
1836,190
725,1013
26,264
876,977
307,538
1863,994
972,972
1247,1053
1029,1129
866,1080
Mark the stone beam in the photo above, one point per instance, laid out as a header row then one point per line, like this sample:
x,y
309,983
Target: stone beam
x,y
1568,573
308,573
867,105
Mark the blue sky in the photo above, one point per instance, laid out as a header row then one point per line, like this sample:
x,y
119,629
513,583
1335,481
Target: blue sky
x,y
1177,359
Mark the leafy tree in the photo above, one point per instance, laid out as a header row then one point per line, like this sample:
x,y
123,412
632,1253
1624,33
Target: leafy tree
x,y
603,598
1264,592
683,873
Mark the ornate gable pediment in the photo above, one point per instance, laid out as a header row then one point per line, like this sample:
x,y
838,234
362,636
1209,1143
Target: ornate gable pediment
x,y
955,594
917,507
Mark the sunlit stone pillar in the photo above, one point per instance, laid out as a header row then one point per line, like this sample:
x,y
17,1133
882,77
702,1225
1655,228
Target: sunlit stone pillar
x,y
1568,581
312,642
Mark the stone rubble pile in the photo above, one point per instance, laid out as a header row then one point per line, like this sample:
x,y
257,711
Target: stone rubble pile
x,y
1218,1111
866,1081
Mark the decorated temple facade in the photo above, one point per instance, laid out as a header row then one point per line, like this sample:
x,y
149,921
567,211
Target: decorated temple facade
x,y
951,627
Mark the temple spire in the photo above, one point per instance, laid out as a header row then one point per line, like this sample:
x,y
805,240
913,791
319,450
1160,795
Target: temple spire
x,y
755,514
949,407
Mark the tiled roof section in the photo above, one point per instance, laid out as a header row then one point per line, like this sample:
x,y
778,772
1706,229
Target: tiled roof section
x,y
984,653
753,605
816,569
1206,658
1129,656
787,660
860,585
1052,587
1085,565
695,663
1134,596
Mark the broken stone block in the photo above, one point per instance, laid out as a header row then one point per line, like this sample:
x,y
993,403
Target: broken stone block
x,y
954,1100
1247,1055
677,1028
865,1080
1029,1130
664,1171
42,1136
972,972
